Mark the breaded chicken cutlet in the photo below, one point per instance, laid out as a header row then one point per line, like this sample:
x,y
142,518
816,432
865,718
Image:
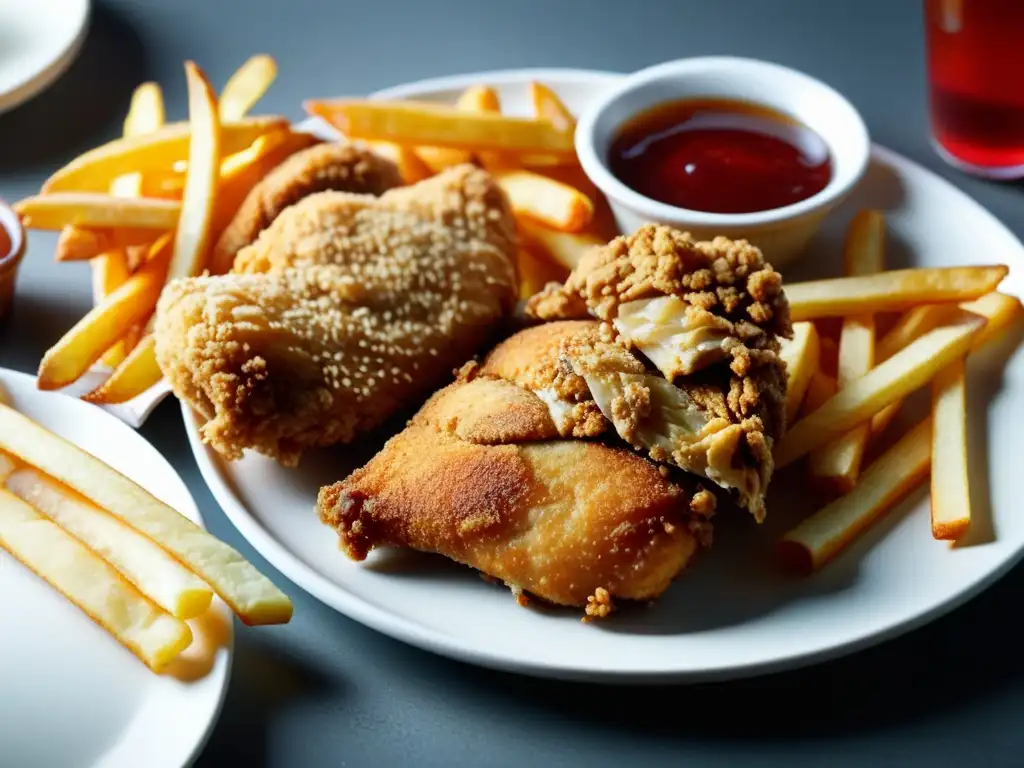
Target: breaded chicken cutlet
x,y
481,475
346,308
322,167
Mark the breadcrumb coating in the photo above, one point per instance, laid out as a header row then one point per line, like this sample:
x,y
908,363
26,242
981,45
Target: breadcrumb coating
x,y
342,167
572,522
352,307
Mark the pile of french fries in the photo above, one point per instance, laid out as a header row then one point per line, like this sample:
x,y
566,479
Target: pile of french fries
x,y
134,565
843,393
147,208
559,212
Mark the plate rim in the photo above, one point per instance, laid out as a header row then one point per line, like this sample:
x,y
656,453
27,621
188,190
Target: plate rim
x,y
39,81
202,736
344,601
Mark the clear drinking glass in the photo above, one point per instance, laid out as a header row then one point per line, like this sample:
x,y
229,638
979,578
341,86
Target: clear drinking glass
x,y
975,52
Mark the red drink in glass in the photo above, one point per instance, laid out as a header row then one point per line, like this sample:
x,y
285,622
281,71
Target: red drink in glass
x,y
976,77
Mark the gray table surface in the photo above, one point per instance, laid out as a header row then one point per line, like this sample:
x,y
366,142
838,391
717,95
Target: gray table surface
x,y
327,691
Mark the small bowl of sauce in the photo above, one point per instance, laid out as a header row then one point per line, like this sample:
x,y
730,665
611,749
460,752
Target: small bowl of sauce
x,y
725,146
12,248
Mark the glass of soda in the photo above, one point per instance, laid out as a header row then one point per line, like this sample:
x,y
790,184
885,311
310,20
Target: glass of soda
x,y
975,52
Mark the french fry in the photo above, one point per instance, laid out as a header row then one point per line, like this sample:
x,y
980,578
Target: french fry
x,y
157,151
547,106
92,585
250,594
890,291
408,122
152,571
820,389
81,244
246,87
409,164
104,324
194,237
889,478
563,248
136,373
146,113
547,201
837,464
950,492
904,372
535,273
477,98
998,309
90,209
802,355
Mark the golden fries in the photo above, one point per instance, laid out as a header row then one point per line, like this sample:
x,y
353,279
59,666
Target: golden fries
x,y
885,482
997,308
157,151
154,636
246,87
890,291
820,389
146,113
193,238
151,570
95,333
837,464
409,164
562,248
80,244
433,125
86,209
802,355
950,491
897,377
136,373
250,594
547,106
549,202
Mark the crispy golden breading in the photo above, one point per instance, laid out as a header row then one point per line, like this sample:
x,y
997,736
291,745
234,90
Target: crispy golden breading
x,y
534,358
564,520
341,167
707,316
355,306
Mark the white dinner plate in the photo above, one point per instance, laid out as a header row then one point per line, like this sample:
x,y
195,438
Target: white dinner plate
x,y
732,613
38,41
70,695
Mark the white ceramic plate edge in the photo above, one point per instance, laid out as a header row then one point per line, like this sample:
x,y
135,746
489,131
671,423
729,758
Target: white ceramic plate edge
x,y
120,753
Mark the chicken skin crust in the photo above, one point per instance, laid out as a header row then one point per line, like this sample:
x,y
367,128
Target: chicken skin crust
x,y
572,522
341,167
350,308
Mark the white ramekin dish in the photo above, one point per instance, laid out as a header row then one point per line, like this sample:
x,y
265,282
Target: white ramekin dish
x,y
781,233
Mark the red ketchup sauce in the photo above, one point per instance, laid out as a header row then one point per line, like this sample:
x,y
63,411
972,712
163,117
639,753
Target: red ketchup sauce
x,y
719,156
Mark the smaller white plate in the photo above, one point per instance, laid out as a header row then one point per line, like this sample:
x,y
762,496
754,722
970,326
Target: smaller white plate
x,y
38,41
70,695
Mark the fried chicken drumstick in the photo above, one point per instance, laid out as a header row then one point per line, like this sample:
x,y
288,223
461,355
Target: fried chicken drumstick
x,y
346,308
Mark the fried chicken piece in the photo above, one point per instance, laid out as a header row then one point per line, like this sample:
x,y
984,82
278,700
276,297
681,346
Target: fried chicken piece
x,y
341,167
707,316
572,522
590,382
353,307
